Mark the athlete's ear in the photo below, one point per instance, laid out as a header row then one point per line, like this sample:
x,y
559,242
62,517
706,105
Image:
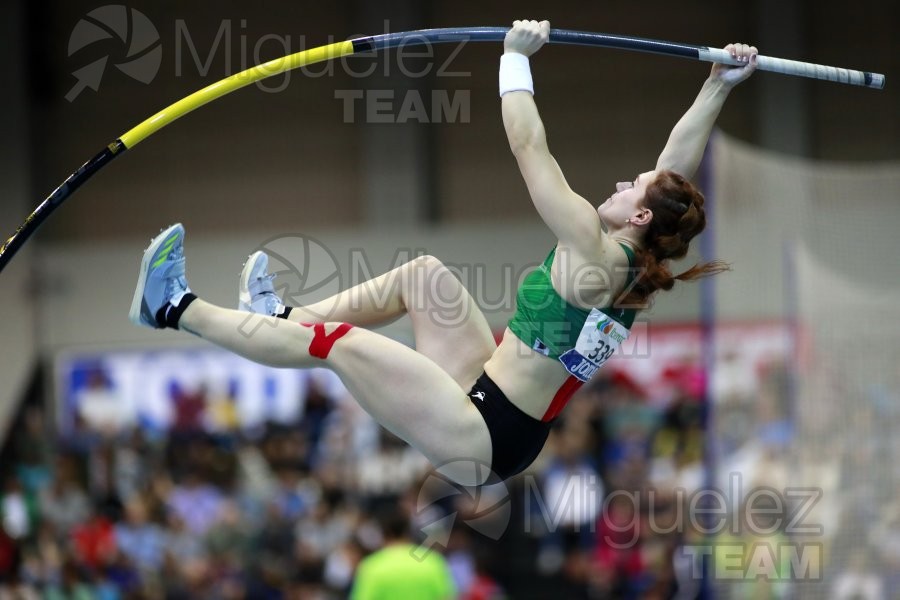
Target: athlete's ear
x,y
642,217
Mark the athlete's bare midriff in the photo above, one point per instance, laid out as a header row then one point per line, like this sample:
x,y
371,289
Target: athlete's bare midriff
x,y
530,380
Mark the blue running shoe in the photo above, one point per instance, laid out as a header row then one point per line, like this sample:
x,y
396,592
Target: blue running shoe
x,y
256,292
161,279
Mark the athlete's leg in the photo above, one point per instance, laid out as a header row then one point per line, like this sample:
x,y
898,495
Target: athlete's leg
x,y
449,327
404,391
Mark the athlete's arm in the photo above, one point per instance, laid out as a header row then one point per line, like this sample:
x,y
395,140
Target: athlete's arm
x,y
571,218
684,150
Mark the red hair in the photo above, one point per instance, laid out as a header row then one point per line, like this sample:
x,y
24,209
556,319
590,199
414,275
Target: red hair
x,y
678,216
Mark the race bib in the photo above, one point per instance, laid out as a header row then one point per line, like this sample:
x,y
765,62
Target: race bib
x,y
599,339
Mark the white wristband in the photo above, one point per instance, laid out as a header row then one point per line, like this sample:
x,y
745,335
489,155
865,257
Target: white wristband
x,y
515,74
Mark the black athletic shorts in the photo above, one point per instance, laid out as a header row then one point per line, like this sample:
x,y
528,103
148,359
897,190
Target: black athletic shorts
x,y
517,438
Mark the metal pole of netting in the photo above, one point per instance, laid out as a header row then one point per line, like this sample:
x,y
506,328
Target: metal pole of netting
x,y
792,318
707,345
792,371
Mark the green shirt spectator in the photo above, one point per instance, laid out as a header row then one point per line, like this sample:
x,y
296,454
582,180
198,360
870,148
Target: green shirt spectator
x,y
393,572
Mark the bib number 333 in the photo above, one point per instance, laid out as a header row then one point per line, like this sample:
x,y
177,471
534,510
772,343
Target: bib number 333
x,y
598,341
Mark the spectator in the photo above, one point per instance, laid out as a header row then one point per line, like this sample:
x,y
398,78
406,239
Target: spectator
x,y
229,541
398,571
73,586
94,541
63,502
14,509
618,560
572,496
858,581
196,503
140,540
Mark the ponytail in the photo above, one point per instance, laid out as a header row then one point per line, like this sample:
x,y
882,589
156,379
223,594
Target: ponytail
x,y
678,216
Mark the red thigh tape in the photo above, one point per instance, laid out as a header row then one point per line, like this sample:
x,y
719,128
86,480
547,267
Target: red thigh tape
x,y
321,344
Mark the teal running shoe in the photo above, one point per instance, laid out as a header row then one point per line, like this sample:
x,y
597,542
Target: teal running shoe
x,y
256,291
161,280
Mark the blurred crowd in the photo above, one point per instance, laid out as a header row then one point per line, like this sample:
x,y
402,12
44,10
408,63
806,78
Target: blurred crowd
x,y
609,509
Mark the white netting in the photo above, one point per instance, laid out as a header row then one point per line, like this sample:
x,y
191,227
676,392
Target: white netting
x,y
815,245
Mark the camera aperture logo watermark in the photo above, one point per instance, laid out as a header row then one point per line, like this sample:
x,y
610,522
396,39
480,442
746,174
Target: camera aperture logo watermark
x,y
304,273
127,38
442,504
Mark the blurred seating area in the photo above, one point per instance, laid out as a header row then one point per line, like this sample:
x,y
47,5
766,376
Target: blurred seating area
x,y
288,510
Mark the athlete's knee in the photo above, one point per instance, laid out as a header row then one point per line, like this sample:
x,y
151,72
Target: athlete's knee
x,y
425,271
427,264
434,274
325,335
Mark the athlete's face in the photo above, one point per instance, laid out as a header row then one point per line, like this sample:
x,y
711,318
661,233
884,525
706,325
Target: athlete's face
x,y
626,202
